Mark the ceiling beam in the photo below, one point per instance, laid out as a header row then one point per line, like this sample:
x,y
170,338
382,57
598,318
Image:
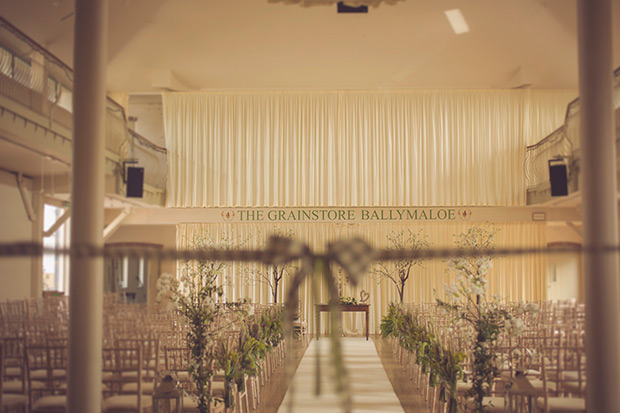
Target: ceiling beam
x,y
111,228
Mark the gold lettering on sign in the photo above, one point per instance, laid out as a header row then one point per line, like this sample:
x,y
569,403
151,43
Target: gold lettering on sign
x,y
345,214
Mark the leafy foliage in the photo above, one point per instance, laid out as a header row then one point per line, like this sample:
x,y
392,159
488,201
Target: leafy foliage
x,y
488,318
442,363
196,297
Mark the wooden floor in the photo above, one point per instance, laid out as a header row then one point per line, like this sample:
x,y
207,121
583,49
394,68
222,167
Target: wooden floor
x,y
275,389
410,398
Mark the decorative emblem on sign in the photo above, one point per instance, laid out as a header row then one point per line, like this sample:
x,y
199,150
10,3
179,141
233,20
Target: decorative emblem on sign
x,y
228,215
364,296
464,214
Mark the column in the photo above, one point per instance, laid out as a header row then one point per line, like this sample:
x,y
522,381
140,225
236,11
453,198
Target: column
x,y
600,212
86,284
36,261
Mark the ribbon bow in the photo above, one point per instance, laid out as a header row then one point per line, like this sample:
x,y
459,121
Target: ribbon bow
x,y
355,257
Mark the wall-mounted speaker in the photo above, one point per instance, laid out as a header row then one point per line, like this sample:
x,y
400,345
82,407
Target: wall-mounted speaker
x,y
558,177
345,8
135,182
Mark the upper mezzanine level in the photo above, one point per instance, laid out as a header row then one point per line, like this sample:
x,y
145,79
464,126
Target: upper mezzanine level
x,y
563,144
36,119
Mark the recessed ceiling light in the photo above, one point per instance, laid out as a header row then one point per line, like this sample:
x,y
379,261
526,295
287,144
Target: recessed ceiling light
x,y
457,21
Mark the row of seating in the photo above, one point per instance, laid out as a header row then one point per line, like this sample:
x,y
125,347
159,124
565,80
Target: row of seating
x,y
141,345
540,370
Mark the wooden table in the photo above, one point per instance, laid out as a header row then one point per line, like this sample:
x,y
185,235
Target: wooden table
x,y
345,308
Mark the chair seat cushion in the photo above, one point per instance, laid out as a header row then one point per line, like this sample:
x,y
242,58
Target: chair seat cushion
x,y
189,403
147,387
562,404
573,387
538,385
125,402
13,371
42,374
11,400
571,375
12,362
50,403
183,376
461,386
133,374
108,376
15,386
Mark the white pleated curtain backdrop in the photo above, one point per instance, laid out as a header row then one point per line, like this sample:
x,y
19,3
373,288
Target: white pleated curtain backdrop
x,y
354,148
519,277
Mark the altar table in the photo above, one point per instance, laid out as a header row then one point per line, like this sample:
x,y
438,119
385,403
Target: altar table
x,y
363,308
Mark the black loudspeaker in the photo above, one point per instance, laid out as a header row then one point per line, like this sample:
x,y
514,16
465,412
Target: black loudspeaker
x,y
558,178
135,181
344,8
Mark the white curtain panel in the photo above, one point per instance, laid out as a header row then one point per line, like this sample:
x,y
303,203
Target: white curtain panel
x,y
514,277
354,148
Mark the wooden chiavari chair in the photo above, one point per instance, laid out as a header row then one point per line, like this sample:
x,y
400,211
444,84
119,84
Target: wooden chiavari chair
x,y
47,365
124,366
564,370
9,401
150,358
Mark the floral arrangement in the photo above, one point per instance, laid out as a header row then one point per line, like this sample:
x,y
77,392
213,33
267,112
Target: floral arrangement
x,y
468,304
237,360
443,364
348,300
195,296
400,272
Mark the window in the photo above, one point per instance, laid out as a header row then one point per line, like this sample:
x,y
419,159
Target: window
x,y
127,276
55,266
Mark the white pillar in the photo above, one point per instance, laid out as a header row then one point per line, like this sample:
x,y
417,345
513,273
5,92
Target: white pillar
x,y
600,216
86,285
36,263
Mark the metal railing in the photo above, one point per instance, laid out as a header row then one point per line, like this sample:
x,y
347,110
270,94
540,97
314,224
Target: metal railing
x,y
33,77
564,142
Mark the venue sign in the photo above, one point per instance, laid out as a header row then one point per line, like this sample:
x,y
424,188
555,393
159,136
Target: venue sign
x,y
344,215
350,215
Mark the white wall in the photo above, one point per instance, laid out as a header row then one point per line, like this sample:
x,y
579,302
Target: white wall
x,y
15,273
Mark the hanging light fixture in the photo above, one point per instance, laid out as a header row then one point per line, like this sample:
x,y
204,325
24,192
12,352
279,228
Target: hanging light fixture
x,y
351,3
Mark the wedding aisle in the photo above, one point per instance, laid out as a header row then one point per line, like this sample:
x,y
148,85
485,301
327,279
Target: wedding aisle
x,y
370,387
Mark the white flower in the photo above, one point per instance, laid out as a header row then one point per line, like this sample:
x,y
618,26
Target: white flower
x,y
477,289
452,291
514,327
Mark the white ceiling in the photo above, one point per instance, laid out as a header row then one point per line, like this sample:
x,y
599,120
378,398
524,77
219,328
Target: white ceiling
x,y
255,44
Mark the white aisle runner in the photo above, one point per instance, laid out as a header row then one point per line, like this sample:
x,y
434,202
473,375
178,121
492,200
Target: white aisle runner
x,y
370,387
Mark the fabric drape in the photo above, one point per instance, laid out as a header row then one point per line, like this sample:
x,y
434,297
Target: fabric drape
x,y
354,148
514,277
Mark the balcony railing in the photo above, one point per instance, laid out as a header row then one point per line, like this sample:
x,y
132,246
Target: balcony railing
x,y
564,142
36,79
